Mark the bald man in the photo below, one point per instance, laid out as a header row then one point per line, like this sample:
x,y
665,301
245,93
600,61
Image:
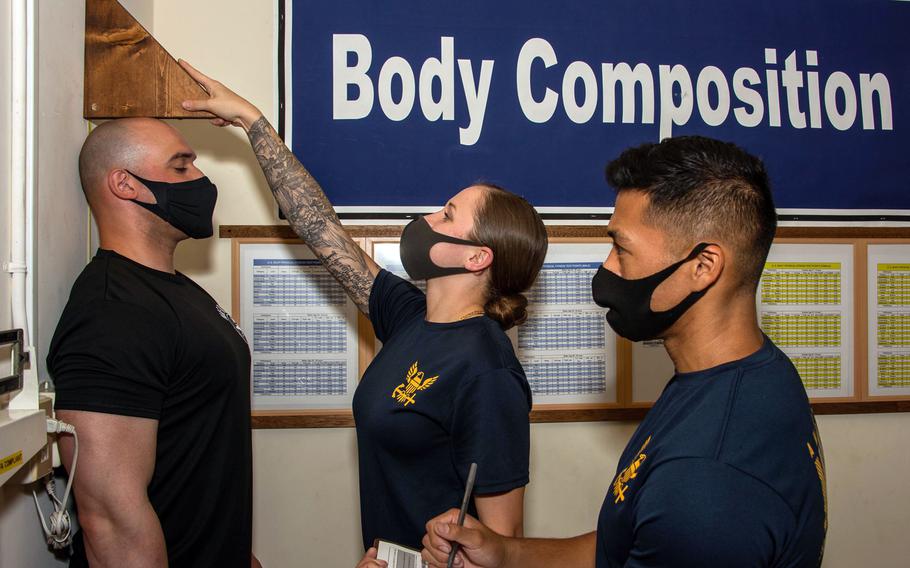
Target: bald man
x,y
153,373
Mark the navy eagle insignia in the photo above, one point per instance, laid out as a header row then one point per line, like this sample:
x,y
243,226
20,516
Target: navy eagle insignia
x,y
414,382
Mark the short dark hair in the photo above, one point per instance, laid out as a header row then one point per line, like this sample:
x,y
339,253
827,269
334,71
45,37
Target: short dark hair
x,y
701,189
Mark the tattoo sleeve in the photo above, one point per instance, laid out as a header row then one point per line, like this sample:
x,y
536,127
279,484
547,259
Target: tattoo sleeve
x,y
312,216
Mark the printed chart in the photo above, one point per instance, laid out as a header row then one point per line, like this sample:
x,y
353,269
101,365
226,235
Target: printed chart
x,y
303,329
889,319
566,347
805,304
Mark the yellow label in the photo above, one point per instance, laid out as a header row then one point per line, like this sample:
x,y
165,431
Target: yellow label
x,y
887,267
802,266
10,461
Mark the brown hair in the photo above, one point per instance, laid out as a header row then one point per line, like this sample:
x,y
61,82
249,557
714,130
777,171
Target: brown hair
x,y
510,226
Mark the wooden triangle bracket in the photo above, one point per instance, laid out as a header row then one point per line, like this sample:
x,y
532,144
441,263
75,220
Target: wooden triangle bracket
x,y
127,72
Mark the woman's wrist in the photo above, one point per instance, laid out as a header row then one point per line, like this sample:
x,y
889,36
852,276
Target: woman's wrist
x,y
249,117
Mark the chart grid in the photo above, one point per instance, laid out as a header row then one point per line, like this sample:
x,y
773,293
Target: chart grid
x,y
801,283
566,377
561,331
294,283
894,285
894,329
299,334
299,378
894,370
802,330
563,283
818,372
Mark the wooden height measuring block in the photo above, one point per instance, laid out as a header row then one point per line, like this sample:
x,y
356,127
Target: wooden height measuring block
x,y
127,72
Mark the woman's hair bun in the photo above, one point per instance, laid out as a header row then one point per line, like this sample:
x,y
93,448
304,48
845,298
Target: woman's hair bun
x,y
509,310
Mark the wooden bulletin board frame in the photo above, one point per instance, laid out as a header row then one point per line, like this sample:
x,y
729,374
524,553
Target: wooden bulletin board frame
x,y
624,408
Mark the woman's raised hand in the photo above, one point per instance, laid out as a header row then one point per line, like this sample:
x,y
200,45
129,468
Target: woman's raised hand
x,y
229,108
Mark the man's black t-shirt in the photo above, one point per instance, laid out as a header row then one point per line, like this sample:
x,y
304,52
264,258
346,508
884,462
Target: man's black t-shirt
x,y
437,397
134,341
725,470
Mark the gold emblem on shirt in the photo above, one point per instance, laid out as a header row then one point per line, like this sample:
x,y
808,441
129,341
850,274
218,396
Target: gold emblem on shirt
x,y
817,456
413,383
621,484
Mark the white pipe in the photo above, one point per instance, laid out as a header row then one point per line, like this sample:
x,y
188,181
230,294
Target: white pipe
x,y
22,137
18,143
31,195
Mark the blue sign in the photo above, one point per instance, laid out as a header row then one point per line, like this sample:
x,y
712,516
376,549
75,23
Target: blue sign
x,y
402,103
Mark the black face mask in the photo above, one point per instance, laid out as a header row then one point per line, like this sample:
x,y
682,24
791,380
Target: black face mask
x,y
187,205
629,301
417,239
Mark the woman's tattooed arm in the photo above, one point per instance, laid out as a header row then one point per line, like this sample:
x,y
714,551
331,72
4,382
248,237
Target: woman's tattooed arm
x,y
312,216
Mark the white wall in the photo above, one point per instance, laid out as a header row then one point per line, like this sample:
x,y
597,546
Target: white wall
x,y
61,227
868,493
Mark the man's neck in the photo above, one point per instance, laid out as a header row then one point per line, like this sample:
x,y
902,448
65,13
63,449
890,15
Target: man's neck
x,y
452,298
153,253
712,336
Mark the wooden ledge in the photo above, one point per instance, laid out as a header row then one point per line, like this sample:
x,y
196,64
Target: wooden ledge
x,y
270,420
567,231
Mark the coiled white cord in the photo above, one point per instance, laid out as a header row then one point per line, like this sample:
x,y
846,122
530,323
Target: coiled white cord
x,y
59,534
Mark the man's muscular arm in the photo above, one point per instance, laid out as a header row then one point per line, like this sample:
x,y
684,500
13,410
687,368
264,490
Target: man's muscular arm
x,y
301,199
116,462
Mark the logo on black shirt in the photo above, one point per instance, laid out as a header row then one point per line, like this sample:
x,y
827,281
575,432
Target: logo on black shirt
x,y
413,383
228,317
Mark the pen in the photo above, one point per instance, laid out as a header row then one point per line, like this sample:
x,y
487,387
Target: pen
x,y
468,489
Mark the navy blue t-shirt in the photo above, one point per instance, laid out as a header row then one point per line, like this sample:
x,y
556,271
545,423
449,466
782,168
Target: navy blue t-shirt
x,y
725,470
437,397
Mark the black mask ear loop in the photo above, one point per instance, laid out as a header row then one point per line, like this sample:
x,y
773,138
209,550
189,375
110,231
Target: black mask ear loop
x,y
159,194
667,272
699,248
